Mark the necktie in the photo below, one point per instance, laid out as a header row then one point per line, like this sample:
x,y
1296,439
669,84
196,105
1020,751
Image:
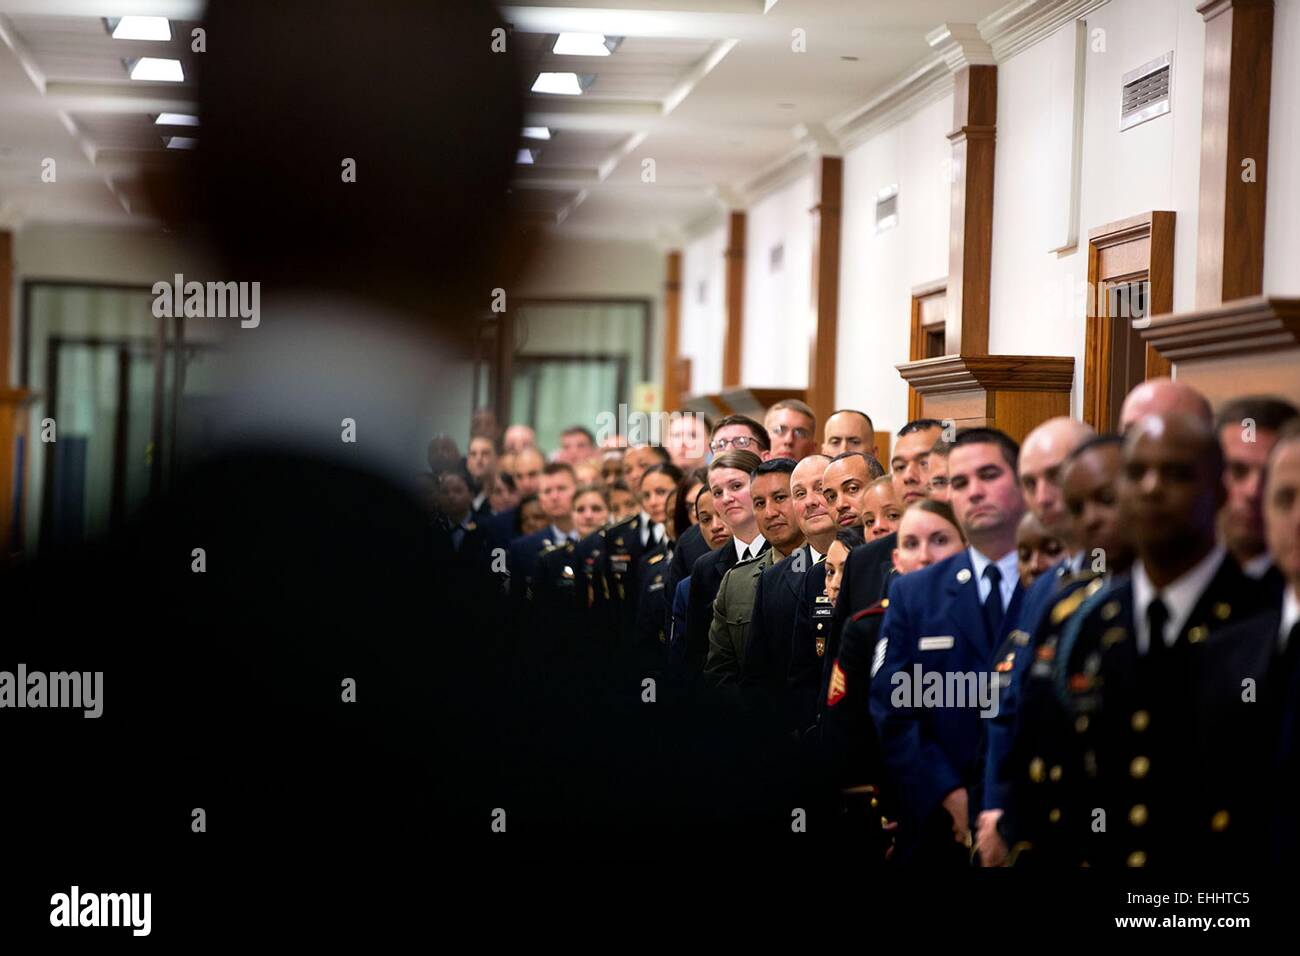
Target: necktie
x,y
993,611
1157,623
744,553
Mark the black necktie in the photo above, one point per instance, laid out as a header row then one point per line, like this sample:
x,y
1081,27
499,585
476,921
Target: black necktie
x,y
993,611
1157,622
744,553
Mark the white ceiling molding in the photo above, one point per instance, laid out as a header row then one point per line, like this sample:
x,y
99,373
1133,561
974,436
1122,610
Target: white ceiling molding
x,y
717,53
621,152
796,163
817,139
927,82
710,222
1023,23
24,56
960,45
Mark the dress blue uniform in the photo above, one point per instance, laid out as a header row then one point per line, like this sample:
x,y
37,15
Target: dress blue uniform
x,y
935,624
1012,660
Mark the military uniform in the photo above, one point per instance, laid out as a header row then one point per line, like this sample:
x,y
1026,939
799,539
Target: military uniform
x,y
650,633
1138,731
733,609
846,735
1042,771
937,626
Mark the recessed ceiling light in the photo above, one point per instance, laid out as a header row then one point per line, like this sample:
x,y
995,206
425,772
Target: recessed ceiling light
x,y
140,28
156,68
537,132
585,44
565,84
526,157
180,142
176,119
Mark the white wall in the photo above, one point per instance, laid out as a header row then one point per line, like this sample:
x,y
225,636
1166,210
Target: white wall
x,y
878,272
1037,305
778,302
1282,217
704,307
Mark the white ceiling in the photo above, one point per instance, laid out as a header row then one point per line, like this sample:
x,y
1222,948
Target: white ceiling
x,y
710,90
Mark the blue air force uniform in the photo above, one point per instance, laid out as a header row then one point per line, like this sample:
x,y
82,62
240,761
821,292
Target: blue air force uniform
x,y
937,624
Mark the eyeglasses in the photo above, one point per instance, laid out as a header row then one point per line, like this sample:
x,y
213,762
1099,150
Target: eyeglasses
x,y
740,442
780,431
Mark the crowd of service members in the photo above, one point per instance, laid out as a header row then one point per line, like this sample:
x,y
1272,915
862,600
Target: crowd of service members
x,y
1078,651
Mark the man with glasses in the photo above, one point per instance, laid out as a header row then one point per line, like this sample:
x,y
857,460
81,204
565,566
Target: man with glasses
x,y
740,433
792,428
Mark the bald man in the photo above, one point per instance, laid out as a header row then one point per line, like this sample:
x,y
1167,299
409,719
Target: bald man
x,y
1162,396
519,437
1134,666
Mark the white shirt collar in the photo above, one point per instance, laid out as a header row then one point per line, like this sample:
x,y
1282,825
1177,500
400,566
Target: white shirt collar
x,y
1290,616
1258,566
477,503
1007,564
814,554
1180,597
752,547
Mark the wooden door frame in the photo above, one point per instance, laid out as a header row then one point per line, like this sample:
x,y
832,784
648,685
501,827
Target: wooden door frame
x,y
1142,243
916,348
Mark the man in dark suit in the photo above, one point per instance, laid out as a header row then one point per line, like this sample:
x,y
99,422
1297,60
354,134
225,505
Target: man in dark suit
x,y
763,677
729,481
301,668
1134,666
945,623
1247,429
866,575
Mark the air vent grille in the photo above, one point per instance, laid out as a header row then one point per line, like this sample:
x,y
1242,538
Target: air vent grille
x,y
887,208
1146,92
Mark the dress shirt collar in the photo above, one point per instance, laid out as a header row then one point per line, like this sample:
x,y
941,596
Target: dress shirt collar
x,y
1007,564
1180,597
1258,566
752,547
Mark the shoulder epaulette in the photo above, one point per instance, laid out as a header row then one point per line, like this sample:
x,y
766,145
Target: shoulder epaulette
x,y
1067,605
878,608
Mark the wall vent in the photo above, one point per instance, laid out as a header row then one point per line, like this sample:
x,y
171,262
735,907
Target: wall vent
x,y
1146,92
887,208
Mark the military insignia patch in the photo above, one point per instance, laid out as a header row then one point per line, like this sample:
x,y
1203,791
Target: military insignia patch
x,y
1067,606
821,645
656,559
838,687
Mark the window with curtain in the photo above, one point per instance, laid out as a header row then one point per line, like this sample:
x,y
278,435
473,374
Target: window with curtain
x,y
575,360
